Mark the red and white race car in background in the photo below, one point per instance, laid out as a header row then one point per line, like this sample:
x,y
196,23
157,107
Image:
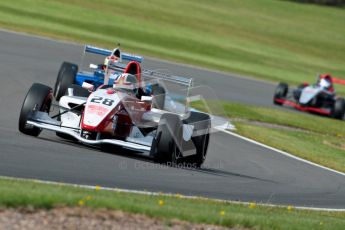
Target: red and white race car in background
x,y
317,98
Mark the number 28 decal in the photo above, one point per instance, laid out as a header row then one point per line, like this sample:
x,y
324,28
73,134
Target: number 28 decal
x,y
104,101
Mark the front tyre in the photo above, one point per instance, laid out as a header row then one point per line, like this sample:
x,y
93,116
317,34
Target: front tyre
x,y
65,78
39,97
165,146
280,93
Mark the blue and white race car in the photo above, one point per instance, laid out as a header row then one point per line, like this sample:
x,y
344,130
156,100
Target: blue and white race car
x,y
69,73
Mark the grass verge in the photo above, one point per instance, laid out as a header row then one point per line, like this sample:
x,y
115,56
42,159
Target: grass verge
x,y
311,137
17,193
270,39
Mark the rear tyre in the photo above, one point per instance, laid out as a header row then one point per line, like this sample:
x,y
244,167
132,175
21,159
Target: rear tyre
x,y
202,125
165,146
280,93
158,93
39,97
338,110
65,78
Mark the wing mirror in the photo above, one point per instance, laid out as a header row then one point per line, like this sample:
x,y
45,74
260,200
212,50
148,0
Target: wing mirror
x,y
93,66
146,98
87,86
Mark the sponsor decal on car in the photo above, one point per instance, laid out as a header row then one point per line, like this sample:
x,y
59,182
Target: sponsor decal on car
x,y
97,109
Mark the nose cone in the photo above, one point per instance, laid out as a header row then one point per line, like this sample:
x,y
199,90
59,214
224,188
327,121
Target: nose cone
x,y
99,107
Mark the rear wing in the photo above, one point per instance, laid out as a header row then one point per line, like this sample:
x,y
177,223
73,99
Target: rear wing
x,y
105,52
145,73
167,77
339,81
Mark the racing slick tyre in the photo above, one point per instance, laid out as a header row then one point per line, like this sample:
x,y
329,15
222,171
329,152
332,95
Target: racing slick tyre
x,y
158,93
65,78
165,146
39,97
202,125
338,110
280,93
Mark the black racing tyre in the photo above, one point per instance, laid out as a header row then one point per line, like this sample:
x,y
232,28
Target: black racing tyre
x,y
165,146
39,97
78,91
158,93
338,110
280,92
200,139
65,78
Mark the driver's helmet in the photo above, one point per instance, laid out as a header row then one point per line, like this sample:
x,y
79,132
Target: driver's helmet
x,y
325,83
114,57
127,82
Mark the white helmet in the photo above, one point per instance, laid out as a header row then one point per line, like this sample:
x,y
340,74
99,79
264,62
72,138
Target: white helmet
x,y
114,57
111,58
325,83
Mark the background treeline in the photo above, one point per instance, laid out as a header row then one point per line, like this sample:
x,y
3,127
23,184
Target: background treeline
x,y
324,2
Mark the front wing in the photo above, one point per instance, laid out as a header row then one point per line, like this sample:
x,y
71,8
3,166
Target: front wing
x,y
287,102
43,121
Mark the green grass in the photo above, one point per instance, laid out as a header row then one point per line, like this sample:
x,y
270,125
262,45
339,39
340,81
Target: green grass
x,y
308,122
315,138
14,193
270,39
326,150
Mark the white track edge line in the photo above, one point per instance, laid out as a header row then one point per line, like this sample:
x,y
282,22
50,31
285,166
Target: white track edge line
x,y
91,187
281,152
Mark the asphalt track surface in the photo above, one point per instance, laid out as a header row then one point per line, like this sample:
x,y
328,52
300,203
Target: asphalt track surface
x,y
234,169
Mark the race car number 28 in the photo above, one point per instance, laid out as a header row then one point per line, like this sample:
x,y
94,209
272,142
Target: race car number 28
x,y
104,101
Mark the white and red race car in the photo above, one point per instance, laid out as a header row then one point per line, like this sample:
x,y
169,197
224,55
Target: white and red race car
x,y
122,115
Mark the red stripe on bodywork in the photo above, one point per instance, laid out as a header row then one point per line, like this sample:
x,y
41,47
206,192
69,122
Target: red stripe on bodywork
x,y
302,108
339,81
